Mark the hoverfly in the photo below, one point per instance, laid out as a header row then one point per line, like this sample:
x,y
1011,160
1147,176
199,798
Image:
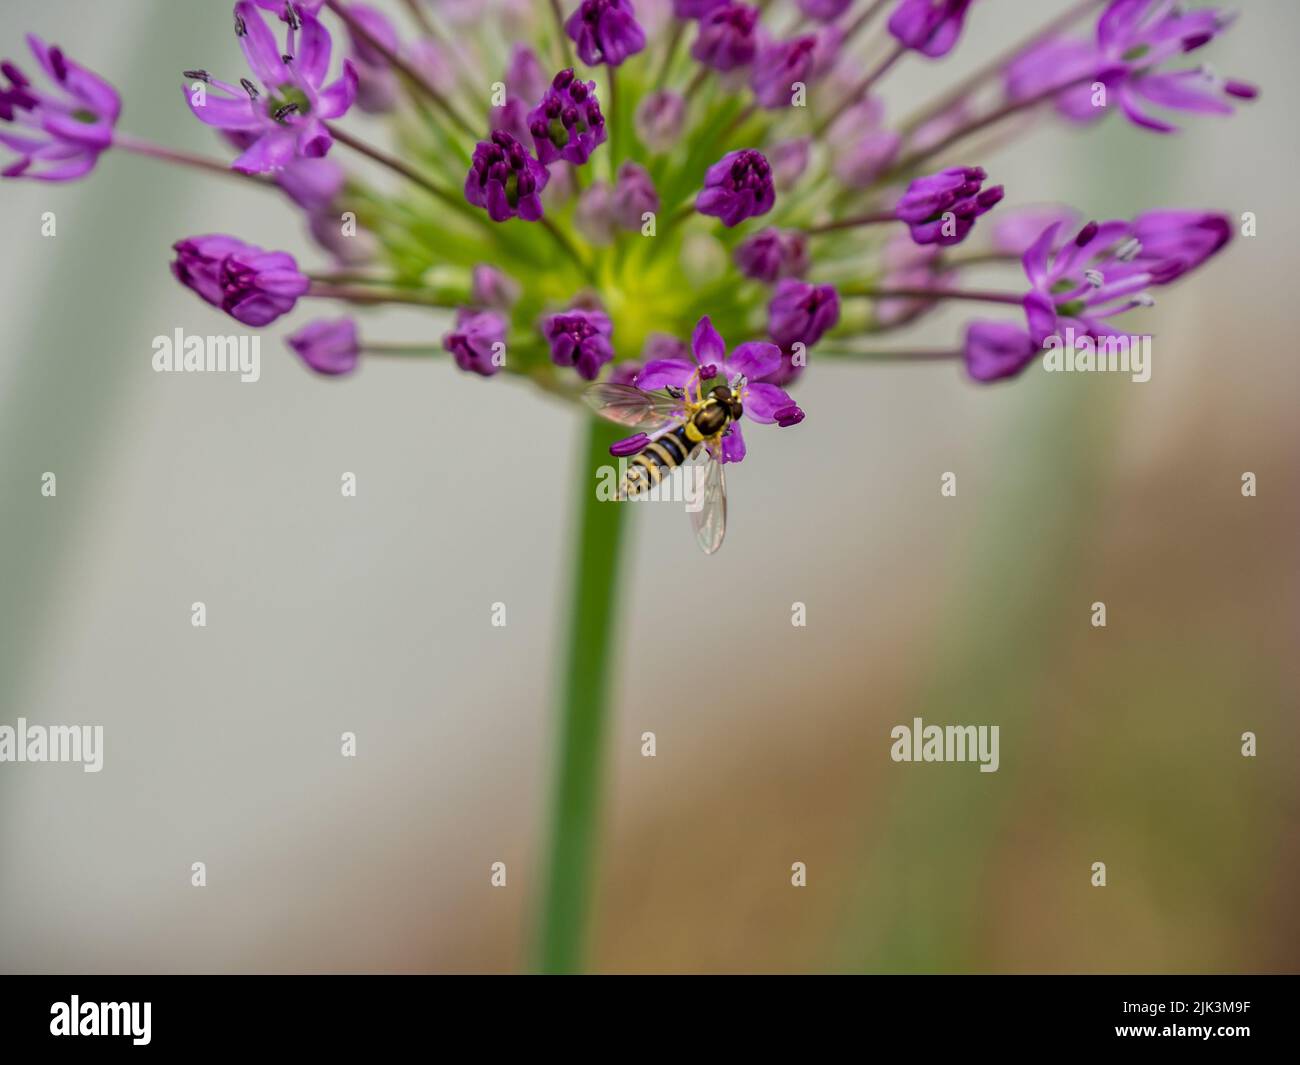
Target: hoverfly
x,y
685,428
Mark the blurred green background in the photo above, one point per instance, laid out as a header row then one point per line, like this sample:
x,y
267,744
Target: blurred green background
x,y
1119,745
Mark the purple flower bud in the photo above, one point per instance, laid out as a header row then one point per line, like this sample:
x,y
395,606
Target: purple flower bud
x,y
941,208
789,160
624,373
629,445
930,27
1176,242
770,255
62,133
736,187
728,37
781,65
695,9
473,342
327,230
995,350
525,77
567,124
788,415
491,288
801,313
659,120
251,285
594,215
580,339
605,31
505,180
328,346
824,10
377,85
634,195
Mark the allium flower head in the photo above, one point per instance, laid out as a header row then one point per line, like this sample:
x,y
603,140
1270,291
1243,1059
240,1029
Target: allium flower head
x,y
736,187
941,208
567,124
605,31
329,347
801,313
728,37
287,112
506,180
64,131
580,339
251,285
473,342
930,27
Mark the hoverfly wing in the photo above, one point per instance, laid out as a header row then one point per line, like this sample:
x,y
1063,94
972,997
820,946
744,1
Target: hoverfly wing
x,y
628,405
708,507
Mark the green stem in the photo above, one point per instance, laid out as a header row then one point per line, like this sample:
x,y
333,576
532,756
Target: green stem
x,y
577,804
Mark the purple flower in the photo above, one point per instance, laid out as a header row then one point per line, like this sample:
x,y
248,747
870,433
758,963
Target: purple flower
x,y
580,338
251,285
624,373
736,187
287,114
659,119
605,31
995,350
328,347
1057,61
862,148
824,10
491,288
505,180
525,77
789,160
779,66
1088,280
1179,241
728,37
800,313
771,254
741,371
1134,39
930,27
695,8
567,124
377,84
633,196
1016,230
473,343
941,208
908,265
63,132
594,215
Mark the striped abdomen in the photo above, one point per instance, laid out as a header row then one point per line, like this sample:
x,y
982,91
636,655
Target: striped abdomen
x,y
657,461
